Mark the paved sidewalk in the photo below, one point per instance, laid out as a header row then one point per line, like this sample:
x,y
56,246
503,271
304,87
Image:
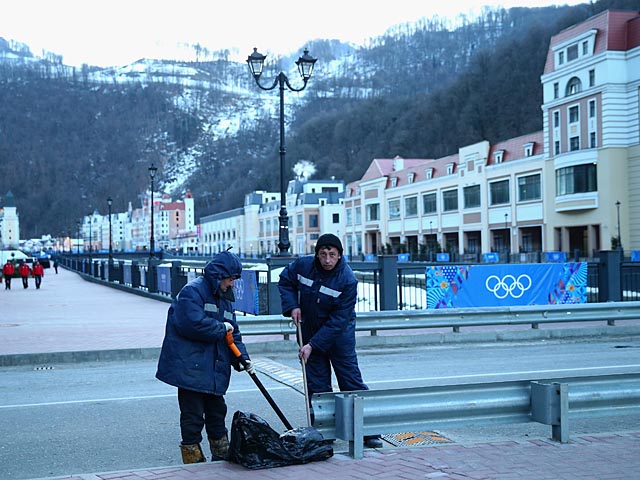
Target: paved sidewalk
x,y
602,457
70,316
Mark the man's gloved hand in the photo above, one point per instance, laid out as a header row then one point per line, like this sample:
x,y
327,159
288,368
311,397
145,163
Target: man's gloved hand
x,y
248,367
228,326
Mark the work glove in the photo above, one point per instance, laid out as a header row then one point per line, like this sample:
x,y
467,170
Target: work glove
x,y
248,367
228,326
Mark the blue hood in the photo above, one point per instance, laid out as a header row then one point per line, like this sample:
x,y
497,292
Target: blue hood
x,y
223,265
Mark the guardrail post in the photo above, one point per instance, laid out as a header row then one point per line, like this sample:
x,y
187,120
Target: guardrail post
x,y
152,275
135,275
349,418
273,295
609,276
550,406
177,281
388,282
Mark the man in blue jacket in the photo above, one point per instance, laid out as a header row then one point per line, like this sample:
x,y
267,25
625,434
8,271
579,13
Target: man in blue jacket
x,y
196,358
319,294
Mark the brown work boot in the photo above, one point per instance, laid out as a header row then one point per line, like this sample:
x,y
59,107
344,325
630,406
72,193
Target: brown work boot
x,y
192,454
219,448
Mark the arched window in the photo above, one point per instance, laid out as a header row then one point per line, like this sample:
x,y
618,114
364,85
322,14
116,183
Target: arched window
x,y
574,86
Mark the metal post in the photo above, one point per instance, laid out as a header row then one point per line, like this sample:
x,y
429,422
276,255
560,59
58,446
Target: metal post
x,y
109,201
152,246
619,237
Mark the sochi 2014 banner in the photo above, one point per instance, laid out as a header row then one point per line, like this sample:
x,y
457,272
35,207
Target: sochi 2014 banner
x,y
463,286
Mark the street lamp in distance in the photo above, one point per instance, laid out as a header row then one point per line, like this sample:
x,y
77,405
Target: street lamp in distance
x,y
152,243
109,202
619,237
305,65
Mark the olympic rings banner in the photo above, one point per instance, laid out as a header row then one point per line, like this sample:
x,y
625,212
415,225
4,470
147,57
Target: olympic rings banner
x,y
245,289
463,286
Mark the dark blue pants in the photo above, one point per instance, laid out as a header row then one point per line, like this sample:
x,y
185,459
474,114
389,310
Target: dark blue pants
x,y
198,410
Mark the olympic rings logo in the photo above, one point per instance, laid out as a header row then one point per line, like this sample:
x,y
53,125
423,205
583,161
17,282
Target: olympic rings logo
x,y
508,285
238,289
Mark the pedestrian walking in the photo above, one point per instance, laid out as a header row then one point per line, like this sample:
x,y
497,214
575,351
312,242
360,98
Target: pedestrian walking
x,y
38,273
7,271
196,358
25,271
55,265
319,293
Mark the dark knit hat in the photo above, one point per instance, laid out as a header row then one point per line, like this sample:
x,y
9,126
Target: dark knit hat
x,y
328,240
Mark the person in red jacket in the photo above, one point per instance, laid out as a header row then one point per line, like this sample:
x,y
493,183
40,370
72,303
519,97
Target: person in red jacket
x,y
38,273
7,271
25,271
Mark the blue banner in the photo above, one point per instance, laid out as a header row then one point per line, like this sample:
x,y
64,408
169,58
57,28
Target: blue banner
x,y
442,257
245,289
464,286
635,255
492,257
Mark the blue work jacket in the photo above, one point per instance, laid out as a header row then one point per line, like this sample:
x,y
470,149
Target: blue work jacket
x,y
195,354
327,300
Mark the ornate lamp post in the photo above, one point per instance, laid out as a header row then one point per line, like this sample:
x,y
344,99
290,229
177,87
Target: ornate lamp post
x,y
619,237
109,202
90,234
152,244
305,66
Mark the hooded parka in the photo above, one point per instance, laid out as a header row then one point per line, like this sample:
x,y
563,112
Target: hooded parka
x,y
195,355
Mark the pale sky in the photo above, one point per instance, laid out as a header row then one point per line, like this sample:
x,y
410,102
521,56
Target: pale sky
x,y
119,32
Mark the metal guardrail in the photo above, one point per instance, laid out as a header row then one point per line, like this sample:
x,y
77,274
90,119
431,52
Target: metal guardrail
x,y
553,400
457,318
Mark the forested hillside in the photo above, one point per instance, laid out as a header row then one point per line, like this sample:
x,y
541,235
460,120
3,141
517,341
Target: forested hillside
x,y
422,90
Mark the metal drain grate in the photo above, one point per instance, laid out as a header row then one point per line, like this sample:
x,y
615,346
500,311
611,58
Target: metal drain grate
x,y
415,439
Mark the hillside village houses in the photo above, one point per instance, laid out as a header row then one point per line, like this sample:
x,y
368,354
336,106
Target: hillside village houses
x,y
570,187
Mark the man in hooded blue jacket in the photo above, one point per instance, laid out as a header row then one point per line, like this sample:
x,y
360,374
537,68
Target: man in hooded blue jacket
x,y
319,293
196,358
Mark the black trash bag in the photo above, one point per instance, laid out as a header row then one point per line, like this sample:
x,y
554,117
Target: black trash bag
x,y
255,445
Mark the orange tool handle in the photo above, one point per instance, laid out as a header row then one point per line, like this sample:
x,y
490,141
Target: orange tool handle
x,y
232,345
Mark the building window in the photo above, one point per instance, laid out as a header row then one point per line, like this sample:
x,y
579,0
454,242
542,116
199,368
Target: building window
x,y
450,200
572,53
592,109
358,215
556,90
556,119
450,168
576,179
528,149
394,182
349,219
498,156
394,209
585,48
411,177
299,220
313,220
429,173
573,86
373,212
574,114
529,188
560,58
592,78
499,192
574,144
471,196
592,140
411,206
335,218
429,203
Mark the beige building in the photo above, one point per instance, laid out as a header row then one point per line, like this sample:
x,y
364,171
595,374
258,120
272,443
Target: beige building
x,y
569,188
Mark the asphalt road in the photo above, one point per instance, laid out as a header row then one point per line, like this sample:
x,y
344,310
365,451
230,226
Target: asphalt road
x,y
95,417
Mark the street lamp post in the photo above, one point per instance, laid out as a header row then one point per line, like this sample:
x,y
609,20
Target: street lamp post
x,y
619,237
152,244
78,239
90,234
109,202
305,65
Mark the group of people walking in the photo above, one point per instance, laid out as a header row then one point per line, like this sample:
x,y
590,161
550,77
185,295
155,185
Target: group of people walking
x,y
25,271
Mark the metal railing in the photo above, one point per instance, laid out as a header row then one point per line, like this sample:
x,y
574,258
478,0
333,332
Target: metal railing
x,y
553,399
457,318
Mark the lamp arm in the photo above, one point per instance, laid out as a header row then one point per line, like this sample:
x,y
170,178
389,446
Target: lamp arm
x,y
286,80
275,83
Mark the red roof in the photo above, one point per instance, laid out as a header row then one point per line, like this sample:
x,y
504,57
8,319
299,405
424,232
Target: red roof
x,y
616,30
